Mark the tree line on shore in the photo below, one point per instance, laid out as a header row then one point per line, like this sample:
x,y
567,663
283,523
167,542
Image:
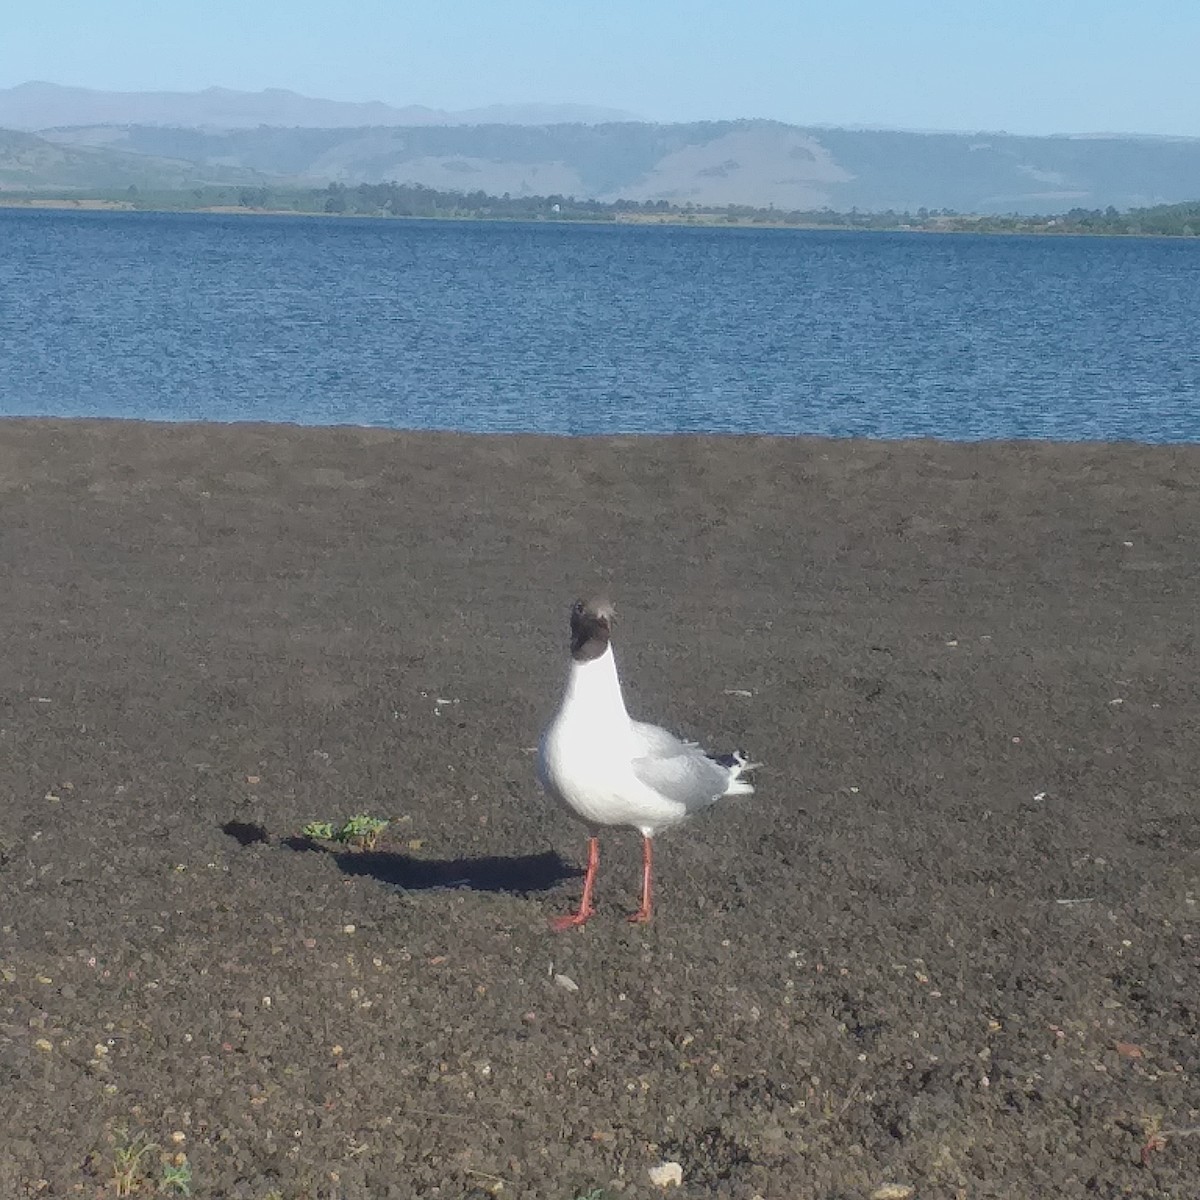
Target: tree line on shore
x,y
417,200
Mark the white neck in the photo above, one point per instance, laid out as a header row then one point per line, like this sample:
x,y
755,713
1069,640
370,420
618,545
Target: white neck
x,y
593,691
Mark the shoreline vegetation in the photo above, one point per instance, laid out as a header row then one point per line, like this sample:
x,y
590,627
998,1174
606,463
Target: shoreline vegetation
x,y
395,200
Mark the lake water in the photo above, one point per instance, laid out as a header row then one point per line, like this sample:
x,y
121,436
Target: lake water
x,y
597,329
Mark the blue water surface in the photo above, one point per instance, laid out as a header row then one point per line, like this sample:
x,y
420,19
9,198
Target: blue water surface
x,y
582,329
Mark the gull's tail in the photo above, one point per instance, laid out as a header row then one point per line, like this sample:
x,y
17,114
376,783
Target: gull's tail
x,y
737,764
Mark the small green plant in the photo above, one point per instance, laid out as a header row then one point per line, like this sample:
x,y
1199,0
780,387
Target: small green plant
x,y
363,829
129,1171
177,1176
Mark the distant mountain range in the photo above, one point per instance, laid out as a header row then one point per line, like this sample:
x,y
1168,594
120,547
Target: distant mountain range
x,y
757,163
34,106
33,164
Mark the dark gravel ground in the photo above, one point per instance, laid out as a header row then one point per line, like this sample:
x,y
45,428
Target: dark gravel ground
x,y
951,944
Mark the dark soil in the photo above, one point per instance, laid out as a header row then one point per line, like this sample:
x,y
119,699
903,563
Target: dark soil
x,y
952,943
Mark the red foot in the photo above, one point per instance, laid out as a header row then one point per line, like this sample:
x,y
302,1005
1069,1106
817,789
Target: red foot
x,y
560,924
642,916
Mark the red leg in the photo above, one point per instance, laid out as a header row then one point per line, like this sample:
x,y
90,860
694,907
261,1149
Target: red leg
x,y
558,924
643,914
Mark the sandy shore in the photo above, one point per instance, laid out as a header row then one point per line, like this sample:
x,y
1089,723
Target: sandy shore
x,y
952,942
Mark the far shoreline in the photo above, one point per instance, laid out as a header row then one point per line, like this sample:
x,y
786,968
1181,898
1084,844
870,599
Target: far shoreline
x,y
648,220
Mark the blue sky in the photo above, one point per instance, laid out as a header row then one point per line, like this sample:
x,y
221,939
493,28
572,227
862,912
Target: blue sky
x,y
1008,65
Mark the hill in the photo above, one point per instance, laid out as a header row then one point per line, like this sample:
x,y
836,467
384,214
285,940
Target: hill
x,y
30,163
757,163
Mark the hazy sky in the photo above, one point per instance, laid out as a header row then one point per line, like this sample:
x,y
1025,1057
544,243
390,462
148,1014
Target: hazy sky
x,y
1015,65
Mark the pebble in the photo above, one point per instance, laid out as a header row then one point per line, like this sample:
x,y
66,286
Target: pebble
x,y
666,1174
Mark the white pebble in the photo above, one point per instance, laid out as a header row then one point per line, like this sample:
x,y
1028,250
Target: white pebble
x,y
666,1174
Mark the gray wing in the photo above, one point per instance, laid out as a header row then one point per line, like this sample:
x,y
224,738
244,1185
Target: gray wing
x,y
653,740
684,774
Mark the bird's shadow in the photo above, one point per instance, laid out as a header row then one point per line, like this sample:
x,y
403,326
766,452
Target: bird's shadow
x,y
518,873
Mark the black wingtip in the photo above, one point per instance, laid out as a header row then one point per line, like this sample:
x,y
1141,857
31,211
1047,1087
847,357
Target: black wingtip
x,y
732,761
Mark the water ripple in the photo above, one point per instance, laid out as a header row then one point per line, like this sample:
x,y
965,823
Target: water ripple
x,y
597,329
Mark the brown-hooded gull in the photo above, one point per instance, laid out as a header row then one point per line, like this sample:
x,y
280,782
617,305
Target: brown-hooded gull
x,y
611,770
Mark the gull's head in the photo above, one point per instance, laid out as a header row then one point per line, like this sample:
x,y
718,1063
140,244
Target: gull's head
x,y
591,627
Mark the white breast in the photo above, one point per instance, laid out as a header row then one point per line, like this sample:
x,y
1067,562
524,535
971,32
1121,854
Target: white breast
x,y
586,752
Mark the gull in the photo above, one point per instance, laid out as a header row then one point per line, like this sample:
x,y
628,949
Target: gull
x,y
608,769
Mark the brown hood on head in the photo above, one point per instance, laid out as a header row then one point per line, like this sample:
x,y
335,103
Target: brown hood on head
x,y
591,627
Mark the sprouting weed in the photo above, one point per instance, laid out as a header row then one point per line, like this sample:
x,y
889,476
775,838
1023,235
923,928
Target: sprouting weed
x,y
177,1177
363,829
128,1164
